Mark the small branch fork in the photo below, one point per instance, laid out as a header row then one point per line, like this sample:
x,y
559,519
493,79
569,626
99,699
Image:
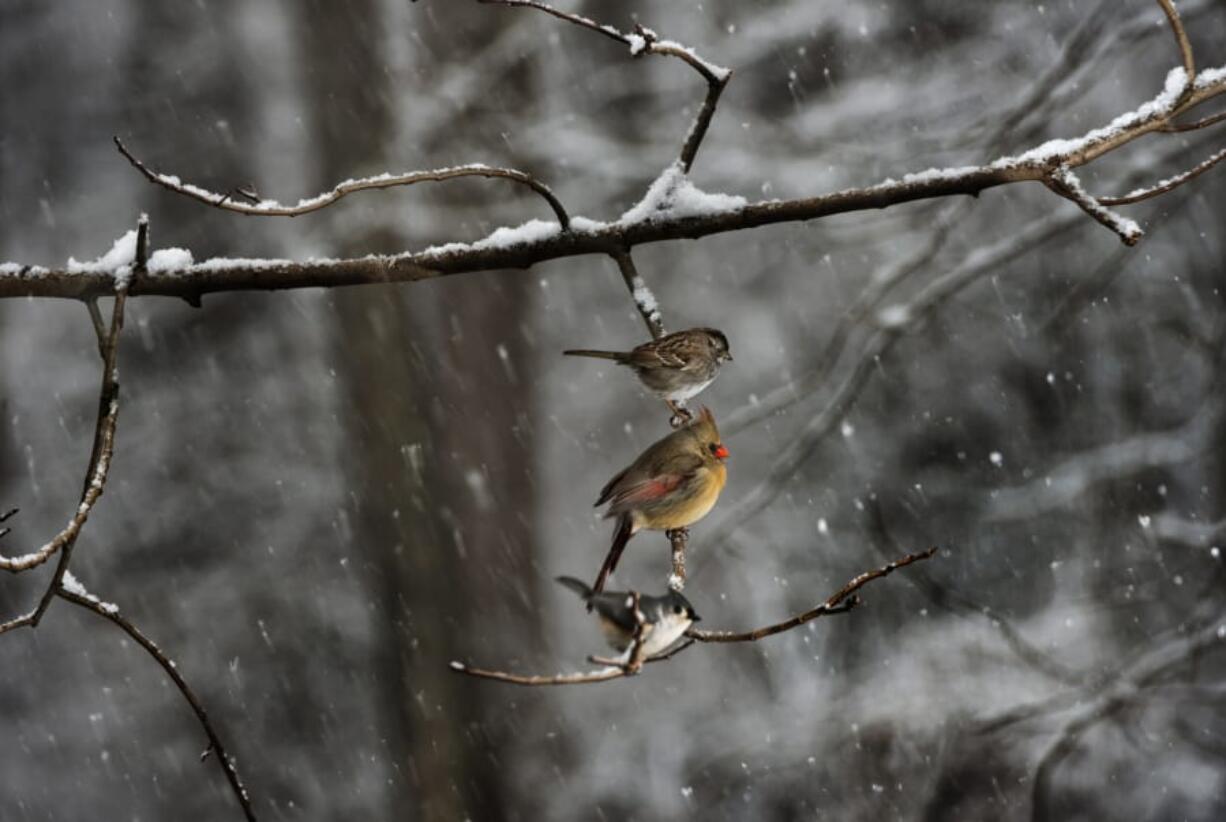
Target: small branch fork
x,y
842,601
63,584
645,41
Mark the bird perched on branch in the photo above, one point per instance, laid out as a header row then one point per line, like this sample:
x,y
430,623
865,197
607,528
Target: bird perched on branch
x,y
665,618
671,485
675,367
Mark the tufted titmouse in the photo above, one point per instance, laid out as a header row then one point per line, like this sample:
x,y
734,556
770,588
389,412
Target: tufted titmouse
x,y
665,618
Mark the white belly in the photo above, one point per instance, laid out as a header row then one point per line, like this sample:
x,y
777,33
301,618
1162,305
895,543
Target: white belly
x,y
685,393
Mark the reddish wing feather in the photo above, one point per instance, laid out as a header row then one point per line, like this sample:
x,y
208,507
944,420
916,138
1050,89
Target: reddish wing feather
x,y
648,490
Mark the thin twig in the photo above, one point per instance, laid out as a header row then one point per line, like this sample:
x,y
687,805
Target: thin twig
x,y
581,678
643,300
216,746
1169,184
646,41
1065,183
1185,50
649,310
678,540
839,602
954,602
272,208
95,317
99,463
1199,124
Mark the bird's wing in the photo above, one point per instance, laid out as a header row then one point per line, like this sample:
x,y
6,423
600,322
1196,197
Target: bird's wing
x,y
625,495
651,356
610,487
615,607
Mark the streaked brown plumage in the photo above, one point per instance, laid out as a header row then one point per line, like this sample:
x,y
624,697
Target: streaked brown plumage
x,y
675,367
671,485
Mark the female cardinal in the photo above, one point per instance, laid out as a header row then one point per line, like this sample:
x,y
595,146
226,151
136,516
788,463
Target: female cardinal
x,y
675,367
672,484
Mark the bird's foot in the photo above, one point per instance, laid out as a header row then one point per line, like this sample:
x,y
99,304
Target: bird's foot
x,y
681,415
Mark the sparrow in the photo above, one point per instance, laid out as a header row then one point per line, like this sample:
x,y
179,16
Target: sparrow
x,y
665,618
675,367
673,484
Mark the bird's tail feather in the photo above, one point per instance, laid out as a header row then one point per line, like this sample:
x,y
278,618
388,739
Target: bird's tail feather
x,y
578,586
625,529
616,356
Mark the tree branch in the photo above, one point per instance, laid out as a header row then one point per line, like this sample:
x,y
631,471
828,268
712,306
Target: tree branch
x,y
1169,184
72,591
1185,48
1065,183
1173,128
536,242
272,208
841,601
95,477
649,309
646,41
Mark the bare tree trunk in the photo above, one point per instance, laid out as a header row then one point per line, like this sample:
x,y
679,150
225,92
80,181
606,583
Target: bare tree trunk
x,y
439,472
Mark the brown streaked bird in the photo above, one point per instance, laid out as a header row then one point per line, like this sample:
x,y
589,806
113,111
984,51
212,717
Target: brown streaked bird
x,y
675,367
671,485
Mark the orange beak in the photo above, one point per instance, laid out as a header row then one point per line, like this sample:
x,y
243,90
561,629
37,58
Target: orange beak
x,y
721,452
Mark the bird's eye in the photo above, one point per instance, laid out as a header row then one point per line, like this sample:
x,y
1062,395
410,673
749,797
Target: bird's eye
x,y
678,610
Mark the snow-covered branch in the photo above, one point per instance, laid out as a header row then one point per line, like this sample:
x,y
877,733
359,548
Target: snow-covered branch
x,y
95,474
254,205
690,214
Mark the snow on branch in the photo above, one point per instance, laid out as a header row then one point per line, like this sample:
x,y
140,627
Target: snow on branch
x,y
1184,44
103,446
840,602
1065,183
523,250
230,201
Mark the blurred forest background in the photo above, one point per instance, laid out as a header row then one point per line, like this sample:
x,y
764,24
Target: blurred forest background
x,y
319,498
